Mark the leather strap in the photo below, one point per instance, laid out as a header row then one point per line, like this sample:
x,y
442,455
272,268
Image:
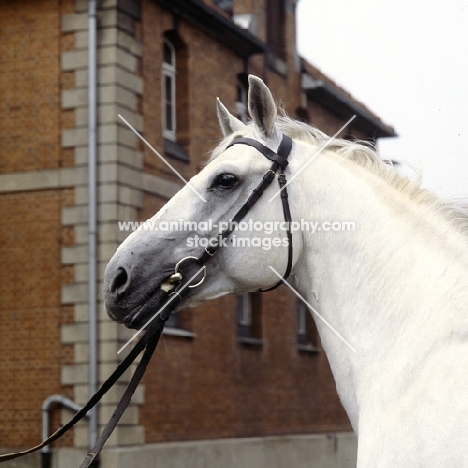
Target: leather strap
x,y
148,343
151,341
280,157
280,161
121,368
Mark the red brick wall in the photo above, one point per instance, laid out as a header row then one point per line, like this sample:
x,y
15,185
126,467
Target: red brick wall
x,y
212,386
30,137
31,235
30,311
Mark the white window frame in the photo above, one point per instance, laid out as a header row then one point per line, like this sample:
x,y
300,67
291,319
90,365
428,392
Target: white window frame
x,y
245,310
302,313
305,340
169,71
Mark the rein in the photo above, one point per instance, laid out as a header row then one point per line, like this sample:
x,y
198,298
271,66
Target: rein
x,y
150,340
147,344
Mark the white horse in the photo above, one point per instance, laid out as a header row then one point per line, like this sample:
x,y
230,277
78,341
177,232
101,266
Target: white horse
x,y
395,289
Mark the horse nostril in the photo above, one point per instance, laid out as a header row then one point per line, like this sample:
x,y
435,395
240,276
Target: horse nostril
x,y
120,282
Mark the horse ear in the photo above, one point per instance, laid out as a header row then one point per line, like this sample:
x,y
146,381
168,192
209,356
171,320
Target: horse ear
x,y
228,123
262,107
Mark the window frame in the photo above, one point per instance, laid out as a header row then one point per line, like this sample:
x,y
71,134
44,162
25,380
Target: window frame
x,y
169,71
306,330
249,319
241,100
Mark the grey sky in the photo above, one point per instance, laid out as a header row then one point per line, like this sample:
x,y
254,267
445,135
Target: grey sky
x,y
408,61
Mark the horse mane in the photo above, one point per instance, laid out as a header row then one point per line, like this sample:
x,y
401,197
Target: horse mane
x,y
364,154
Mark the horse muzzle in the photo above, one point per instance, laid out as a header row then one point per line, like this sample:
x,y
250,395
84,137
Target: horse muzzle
x,y
132,296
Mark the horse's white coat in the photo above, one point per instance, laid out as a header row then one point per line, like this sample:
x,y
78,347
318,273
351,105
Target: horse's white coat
x,y
396,288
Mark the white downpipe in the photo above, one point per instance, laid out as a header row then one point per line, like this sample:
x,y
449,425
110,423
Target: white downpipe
x,y
92,212
46,407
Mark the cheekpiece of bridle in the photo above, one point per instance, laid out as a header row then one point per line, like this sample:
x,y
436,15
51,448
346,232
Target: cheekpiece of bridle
x,y
183,286
280,162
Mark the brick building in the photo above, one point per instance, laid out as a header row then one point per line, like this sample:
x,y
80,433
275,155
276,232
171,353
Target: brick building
x,y
241,381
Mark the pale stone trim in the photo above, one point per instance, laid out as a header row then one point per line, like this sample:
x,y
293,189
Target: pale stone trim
x,y
72,215
74,60
112,153
74,293
80,394
74,373
74,22
42,180
335,450
72,98
158,186
74,333
119,193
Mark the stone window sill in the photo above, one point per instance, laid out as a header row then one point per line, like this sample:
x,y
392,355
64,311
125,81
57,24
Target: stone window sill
x,y
179,332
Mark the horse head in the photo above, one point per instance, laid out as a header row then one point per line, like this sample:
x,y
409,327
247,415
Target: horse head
x,y
152,259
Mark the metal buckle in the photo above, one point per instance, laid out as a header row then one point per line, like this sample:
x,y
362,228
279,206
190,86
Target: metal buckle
x,y
176,270
268,177
208,252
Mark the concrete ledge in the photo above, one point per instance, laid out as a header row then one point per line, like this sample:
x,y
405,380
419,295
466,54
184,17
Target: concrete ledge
x,y
114,94
72,137
28,461
74,293
75,98
111,36
74,373
74,60
74,22
42,180
109,114
297,451
127,435
81,394
159,186
109,55
72,215
112,153
74,333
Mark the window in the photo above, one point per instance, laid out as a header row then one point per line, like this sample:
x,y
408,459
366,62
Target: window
x,y
276,25
225,5
179,324
307,336
169,90
175,98
249,318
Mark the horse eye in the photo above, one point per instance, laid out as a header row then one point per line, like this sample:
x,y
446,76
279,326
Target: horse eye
x,y
225,181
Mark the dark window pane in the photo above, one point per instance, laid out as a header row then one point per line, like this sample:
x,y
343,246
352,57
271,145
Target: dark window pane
x,y
169,103
168,54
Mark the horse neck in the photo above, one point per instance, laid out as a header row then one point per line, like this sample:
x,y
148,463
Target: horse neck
x,y
375,285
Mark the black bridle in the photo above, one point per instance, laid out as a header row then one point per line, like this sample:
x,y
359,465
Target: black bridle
x,y
149,342
280,162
